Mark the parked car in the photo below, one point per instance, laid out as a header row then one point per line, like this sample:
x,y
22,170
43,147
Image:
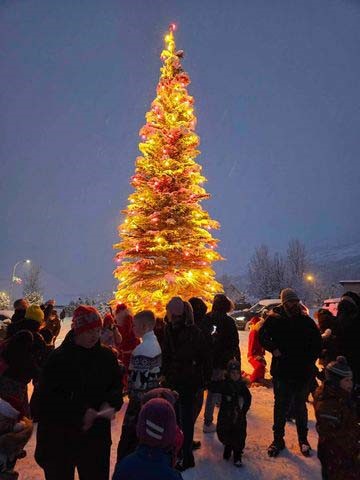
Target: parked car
x,y
243,317
331,304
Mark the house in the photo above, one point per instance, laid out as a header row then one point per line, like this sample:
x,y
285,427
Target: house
x,y
351,285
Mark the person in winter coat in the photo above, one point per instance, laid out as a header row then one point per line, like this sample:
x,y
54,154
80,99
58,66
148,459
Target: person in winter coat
x,y
348,332
20,307
156,429
79,391
110,335
224,347
52,320
256,352
144,375
199,310
184,356
15,432
235,403
337,424
124,323
295,343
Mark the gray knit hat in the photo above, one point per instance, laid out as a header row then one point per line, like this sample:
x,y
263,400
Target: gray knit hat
x,y
337,370
288,295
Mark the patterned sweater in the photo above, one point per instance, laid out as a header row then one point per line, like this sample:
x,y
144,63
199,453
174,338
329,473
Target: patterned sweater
x,y
145,365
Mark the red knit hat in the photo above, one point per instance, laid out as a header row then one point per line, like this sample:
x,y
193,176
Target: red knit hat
x,y
120,307
85,318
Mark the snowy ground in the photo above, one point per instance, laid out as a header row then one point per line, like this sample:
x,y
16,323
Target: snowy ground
x,y
290,465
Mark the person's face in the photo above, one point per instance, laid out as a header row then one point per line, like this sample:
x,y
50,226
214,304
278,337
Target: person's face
x,y
292,308
234,375
346,384
89,338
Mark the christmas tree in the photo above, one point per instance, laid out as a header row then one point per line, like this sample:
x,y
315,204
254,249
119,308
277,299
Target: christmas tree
x,y
166,248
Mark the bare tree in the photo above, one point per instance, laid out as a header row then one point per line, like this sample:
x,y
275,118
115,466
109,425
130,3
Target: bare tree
x,y
32,289
278,274
260,273
297,262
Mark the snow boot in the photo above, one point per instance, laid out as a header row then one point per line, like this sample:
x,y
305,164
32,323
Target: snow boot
x,y
227,452
275,448
237,459
305,448
183,465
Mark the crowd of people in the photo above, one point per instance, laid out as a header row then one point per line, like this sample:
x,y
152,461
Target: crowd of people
x,y
165,366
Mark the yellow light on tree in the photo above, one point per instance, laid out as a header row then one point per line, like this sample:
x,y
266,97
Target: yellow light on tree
x,y
166,248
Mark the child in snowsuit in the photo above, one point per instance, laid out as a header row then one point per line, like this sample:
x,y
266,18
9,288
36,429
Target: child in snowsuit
x,y
235,402
156,430
14,435
144,375
337,424
256,352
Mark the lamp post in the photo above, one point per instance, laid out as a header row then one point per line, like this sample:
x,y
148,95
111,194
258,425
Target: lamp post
x,y
14,278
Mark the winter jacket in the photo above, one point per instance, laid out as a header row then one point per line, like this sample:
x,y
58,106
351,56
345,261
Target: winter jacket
x,y
183,357
146,463
145,365
225,339
75,379
348,335
255,349
129,340
339,432
299,341
235,402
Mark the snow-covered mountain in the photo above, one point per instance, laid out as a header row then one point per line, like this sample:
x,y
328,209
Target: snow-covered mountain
x,y
338,262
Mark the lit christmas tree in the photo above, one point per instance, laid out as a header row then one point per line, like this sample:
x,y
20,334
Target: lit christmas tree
x,y
166,248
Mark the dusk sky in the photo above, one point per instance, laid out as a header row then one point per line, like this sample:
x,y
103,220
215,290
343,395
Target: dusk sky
x,y
277,96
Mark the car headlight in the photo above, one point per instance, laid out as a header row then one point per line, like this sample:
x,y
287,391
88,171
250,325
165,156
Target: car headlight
x,y
240,318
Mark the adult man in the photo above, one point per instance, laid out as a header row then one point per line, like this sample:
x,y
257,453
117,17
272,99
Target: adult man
x,y
20,307
79,391
295,343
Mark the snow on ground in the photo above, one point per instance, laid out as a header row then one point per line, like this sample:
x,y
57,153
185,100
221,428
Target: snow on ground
x,y
290,465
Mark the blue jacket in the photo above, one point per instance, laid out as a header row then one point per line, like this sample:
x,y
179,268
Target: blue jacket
x,y
146,463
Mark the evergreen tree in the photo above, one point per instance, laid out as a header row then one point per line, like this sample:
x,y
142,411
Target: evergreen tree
x,y
166,248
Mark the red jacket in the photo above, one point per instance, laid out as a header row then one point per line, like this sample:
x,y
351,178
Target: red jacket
x,y
129,340
255,349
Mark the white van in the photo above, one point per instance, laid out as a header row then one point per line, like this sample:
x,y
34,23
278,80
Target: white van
x,y
331,304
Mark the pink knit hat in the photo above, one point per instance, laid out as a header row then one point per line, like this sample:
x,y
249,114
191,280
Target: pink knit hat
x,y
156,425
85,318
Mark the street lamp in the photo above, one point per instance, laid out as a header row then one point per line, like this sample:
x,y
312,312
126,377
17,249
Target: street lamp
x,y
309,278
14,278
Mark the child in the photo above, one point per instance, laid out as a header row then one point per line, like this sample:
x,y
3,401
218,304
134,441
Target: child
x,y
156,430
124,323
14,435
110,335
256,352
235,402
337,424
144,375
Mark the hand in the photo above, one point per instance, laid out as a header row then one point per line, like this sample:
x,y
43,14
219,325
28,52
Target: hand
x,y
276,353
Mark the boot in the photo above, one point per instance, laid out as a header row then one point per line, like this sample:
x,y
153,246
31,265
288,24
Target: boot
x,y
237,459
275,447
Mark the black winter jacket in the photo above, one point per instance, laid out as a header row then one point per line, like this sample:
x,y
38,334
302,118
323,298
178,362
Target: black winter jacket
x,y
235,402
75,379
298,340
224,339
184,357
